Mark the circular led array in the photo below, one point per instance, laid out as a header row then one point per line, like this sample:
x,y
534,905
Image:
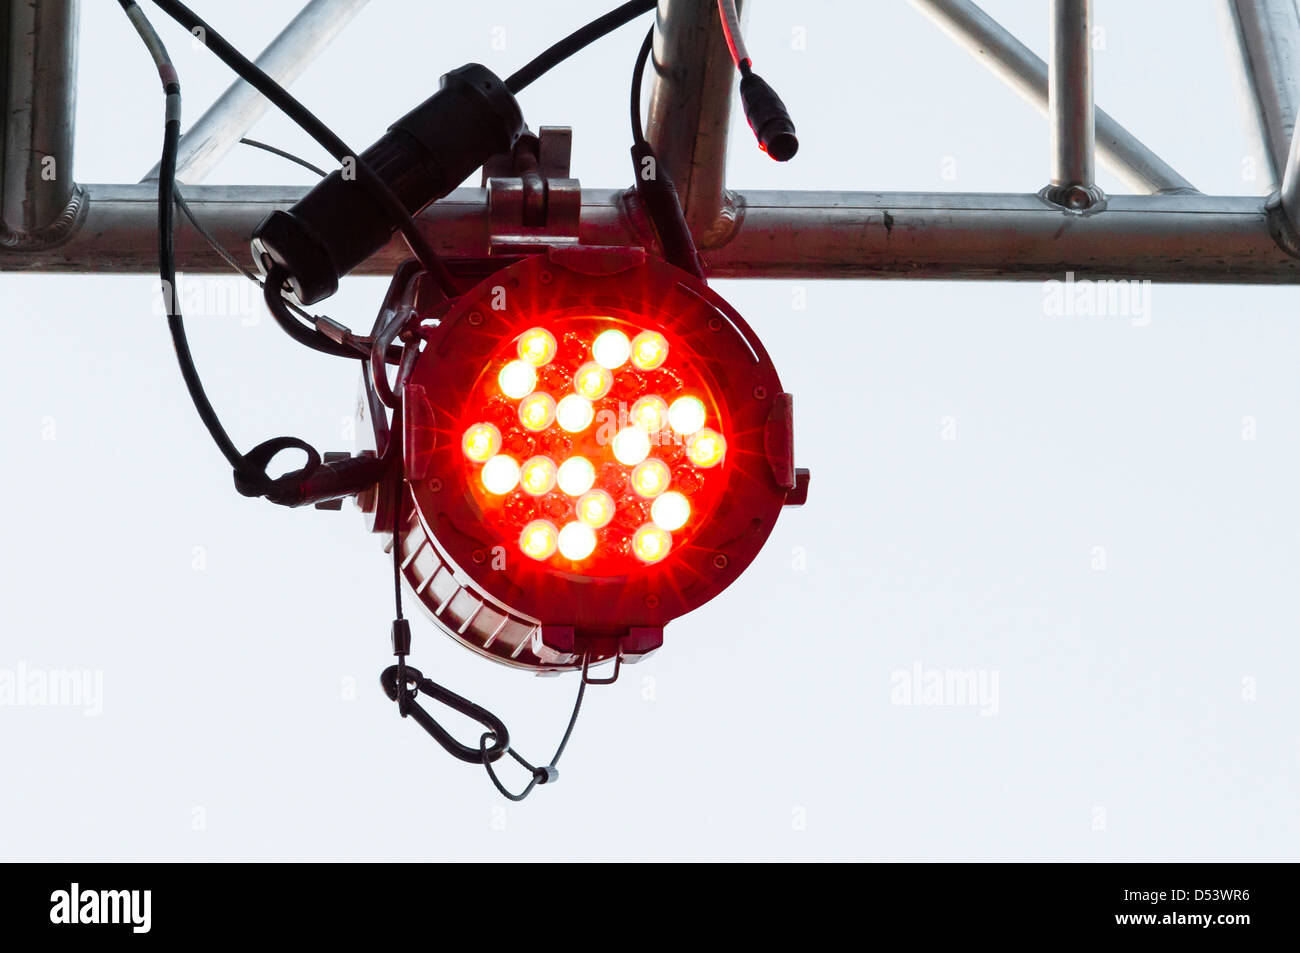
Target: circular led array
x,y
593,443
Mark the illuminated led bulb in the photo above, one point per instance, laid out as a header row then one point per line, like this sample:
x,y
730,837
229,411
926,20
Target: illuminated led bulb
x,y
670,511
593,381
481,442
705,448
651,477
631,445
611,349
650,414
651,543
500,474
577,541
686,415
595,509
537,476
539,539
574,413
517,379
649,350
537,411
537,347
576,475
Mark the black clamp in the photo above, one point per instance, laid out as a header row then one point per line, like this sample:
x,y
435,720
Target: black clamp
x,y
404,684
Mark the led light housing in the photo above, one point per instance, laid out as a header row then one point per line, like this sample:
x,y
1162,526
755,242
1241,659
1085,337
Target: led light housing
x,y
538,537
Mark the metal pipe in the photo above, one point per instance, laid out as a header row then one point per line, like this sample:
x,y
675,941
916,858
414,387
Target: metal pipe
x,y
226,121
1289,195
1267,34
1138,167
37,203
1189,238
1070,105
690,111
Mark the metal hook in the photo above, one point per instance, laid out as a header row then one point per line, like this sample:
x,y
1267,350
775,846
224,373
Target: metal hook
x,y
586,664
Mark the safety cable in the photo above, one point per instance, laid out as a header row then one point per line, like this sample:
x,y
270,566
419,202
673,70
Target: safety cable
x,y
276,151
227,256
403,683
543,775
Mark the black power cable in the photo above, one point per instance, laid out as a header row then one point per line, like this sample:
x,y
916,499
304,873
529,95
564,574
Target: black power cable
x,y
576,41
166,247
249,468
655,187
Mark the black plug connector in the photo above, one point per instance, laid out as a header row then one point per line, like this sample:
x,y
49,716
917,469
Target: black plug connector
x,y
664,207
768,117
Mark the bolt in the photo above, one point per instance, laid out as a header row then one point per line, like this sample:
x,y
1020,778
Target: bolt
x,y
435,485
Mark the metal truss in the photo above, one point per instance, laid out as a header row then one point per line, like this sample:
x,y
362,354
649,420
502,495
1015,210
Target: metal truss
x,y
1166,230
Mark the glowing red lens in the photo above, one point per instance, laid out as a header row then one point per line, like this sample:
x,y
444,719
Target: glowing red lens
x,y
576,427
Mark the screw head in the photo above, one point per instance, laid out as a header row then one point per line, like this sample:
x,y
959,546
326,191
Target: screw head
x,y
651,601
478,556
715,324
475,319
545,277
760,392
720,561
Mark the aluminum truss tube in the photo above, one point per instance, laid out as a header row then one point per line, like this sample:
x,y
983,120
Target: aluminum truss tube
x,y
1137,166
1069,103
40,51
690,111
219,129
803,235
1290,193
1268,36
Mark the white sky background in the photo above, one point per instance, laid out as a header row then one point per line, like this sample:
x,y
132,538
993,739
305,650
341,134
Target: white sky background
x,y
1120,692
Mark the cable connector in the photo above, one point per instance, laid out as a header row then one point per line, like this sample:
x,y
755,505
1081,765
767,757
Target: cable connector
x,y
664,207
401,638
768,117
